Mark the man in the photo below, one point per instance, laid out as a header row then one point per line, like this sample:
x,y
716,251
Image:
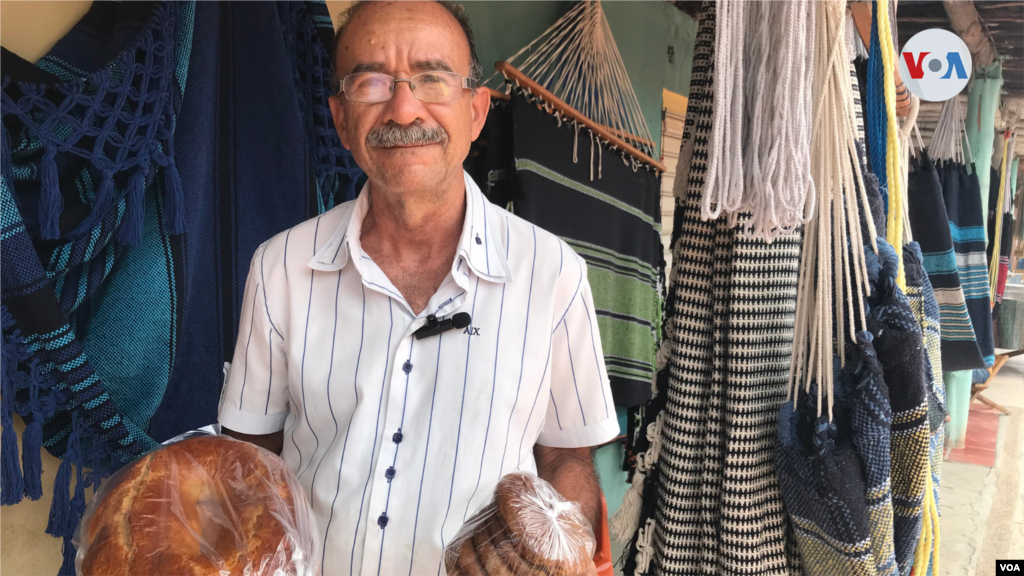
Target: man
x,y
399,440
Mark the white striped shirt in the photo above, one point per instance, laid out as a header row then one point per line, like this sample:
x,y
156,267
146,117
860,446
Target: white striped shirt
x,y
397,440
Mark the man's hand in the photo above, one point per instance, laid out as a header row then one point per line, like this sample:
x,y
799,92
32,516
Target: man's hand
x,y
571,472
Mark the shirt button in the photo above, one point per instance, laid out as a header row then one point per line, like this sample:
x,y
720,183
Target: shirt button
x,y
478,240
382,520
390,473
396,437
407,367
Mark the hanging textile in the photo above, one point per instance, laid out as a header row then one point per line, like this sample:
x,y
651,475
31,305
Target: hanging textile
x,y
962,197
711,505
145,158
1005,247
898,341
926,310
927,211
548,169
823,487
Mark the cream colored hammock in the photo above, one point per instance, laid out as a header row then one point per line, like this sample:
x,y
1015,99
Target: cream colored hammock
x,y
575,70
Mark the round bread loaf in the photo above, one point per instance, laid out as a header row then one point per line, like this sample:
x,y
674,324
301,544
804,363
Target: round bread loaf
x,y
205,506
547,531
497,551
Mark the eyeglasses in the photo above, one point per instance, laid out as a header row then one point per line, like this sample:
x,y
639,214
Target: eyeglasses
x,y
371,87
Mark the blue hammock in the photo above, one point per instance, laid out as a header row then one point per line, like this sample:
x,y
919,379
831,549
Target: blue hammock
x,y
144,160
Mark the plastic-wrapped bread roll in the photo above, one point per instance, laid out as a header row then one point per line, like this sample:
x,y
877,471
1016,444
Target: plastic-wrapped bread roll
x,y
527,530
200,506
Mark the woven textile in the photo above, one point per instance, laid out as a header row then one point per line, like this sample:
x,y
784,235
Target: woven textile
x,y
145,158
926,310
837,516
718,508
961,194
615,226
866,397
1005,247
927,215
898,342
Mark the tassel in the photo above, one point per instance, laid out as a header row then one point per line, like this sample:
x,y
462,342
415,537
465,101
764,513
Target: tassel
x,y
5,157
10,473
174,219
100,208
60,507
626,519
67,568
77,505
32,446
135,208
50,201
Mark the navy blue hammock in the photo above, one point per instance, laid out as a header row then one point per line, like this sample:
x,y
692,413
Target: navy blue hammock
x,y
144,160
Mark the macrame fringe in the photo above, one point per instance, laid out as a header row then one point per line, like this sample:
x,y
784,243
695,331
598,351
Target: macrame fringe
x,y
100,206
5,157
60,507
67,568
32,447
135,207
50,202
10,475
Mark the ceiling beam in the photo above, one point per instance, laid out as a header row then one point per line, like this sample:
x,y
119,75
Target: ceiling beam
x,y
970,27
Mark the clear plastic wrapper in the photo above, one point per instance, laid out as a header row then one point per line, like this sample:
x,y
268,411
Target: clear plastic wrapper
x,y
200,505
528,529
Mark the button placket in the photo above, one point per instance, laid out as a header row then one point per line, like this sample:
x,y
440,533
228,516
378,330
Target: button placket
x,y
399,396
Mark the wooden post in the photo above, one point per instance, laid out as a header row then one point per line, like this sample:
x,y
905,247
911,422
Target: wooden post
x,y
968,25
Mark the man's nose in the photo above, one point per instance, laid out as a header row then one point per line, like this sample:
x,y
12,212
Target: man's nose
x,y
403,107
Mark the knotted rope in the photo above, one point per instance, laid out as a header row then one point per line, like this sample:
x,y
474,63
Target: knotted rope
x,y
833,261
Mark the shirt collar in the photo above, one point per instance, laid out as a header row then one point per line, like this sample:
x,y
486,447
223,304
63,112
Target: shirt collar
x,y
480,247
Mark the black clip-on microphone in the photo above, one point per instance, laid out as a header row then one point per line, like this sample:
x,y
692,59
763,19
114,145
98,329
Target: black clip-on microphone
x,y
433,327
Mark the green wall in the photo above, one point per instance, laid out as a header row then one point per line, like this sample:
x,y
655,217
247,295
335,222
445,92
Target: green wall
x,y
643,32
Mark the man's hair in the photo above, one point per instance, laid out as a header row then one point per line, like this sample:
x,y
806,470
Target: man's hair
x,y
458,11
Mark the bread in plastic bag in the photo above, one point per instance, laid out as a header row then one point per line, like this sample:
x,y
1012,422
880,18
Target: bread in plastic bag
x,y
200,505
528,529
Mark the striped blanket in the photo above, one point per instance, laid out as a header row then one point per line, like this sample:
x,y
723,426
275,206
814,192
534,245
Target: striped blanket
x,y
600,205
927,213
961,194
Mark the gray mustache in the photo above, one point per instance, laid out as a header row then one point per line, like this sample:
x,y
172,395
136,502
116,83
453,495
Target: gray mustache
x,y
391,135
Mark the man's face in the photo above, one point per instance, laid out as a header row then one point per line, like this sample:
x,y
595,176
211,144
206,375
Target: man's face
x,y
402,39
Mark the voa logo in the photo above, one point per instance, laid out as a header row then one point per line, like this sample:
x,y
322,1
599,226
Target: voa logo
x,y
935,65
1008,566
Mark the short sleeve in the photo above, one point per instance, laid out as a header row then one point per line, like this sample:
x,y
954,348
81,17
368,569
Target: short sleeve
x,y
580,408
255,395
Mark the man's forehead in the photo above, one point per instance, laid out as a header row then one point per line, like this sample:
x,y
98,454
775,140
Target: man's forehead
x,y
424,35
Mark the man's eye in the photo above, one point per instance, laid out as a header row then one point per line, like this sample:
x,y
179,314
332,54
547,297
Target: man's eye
x,y
430,79
374,82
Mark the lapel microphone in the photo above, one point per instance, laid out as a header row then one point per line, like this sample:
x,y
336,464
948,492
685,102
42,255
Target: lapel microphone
x,y
433,327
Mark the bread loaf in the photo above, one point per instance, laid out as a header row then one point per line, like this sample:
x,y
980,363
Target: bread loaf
x,y
527,530
205,506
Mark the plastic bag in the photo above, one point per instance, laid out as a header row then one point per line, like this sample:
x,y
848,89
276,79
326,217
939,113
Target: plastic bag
x,y
201,504
528,529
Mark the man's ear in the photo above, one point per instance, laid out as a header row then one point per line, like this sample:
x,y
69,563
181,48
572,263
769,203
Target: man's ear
x,y
480,101
338,112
